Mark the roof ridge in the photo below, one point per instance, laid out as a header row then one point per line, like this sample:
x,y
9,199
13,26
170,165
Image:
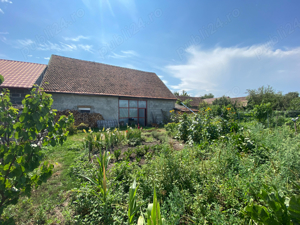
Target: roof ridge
x,y
104,64
22,61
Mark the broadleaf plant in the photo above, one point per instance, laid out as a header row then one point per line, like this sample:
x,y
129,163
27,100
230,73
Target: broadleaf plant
x,y
22,135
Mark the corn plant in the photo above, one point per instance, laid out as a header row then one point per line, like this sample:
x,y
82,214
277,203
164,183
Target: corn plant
x,y
99,179
132,209
153,214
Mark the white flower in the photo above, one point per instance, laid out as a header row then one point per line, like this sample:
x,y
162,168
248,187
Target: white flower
x,y
33,145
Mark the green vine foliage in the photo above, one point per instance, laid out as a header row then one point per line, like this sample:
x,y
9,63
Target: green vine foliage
x,y
22,135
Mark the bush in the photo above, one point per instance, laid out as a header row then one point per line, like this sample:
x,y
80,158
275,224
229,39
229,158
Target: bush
x,y
72,129
22,135
117,154
134,136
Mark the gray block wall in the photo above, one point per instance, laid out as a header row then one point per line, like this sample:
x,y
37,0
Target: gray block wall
x,y
18,94
106,106
154,107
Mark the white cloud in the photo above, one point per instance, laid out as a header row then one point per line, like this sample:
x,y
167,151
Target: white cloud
x,y
130,53
1,11
29,55
78,38
7,1
61,47
124,54
25,42
47,58
88,48
230,71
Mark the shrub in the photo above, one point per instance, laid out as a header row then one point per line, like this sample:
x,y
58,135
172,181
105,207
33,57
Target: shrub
x,y
134,136
72,129
22,135
117,154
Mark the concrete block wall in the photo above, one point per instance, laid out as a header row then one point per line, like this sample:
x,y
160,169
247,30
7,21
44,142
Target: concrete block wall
x,y
106,106
154,106
18,94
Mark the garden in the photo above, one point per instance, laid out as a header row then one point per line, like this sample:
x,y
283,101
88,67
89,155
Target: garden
x,y
219,166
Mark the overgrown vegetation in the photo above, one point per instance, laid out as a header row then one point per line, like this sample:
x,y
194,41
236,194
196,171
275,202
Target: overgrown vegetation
x,y
22,135
220,166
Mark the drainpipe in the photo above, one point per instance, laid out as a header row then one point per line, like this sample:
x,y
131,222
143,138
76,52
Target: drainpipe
x,y
187,107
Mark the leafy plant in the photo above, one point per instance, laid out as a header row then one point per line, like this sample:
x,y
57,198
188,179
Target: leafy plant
x,y
278,209
262,112
117,154
134,136
22,135
99,179
153,214
132,209
72,129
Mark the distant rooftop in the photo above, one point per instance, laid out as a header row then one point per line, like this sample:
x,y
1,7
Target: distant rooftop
x,y
20,74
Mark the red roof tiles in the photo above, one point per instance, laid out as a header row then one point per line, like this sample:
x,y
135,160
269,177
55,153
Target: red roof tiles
x,y
67,75
20,74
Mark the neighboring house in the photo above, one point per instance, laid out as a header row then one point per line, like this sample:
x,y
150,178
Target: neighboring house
x,y
240,100
182,109
116,93
19,78
194,103
197,100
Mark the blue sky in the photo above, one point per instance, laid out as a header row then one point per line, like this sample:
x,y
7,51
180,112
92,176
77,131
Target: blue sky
x,y
219,47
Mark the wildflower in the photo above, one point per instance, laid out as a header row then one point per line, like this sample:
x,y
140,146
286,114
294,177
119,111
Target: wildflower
x,y
126,131
228,109
84,130
103,129
138,126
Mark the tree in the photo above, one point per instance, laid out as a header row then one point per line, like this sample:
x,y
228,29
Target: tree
x,y
22,135
210,95
223,101
183,93
187,102
288,99
295,104
264,95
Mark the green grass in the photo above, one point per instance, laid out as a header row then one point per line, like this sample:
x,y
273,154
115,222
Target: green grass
x,y
48,203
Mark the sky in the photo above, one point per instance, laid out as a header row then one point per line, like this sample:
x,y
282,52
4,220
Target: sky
x,y
207,46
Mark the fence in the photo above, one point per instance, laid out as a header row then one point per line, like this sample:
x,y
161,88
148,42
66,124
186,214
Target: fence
x,y
107,123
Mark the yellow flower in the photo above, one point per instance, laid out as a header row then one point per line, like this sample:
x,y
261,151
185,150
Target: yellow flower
x,y
84,130
95,138
103,129
171,111
207,109
228,109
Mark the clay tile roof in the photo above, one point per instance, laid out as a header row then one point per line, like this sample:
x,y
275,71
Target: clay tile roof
x,y
67,75
195,100
20,74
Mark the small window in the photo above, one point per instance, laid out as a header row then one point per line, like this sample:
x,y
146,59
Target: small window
x,y
84,110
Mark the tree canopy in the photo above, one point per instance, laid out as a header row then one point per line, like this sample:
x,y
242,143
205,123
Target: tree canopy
x,y
183,93
210,95
268,94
